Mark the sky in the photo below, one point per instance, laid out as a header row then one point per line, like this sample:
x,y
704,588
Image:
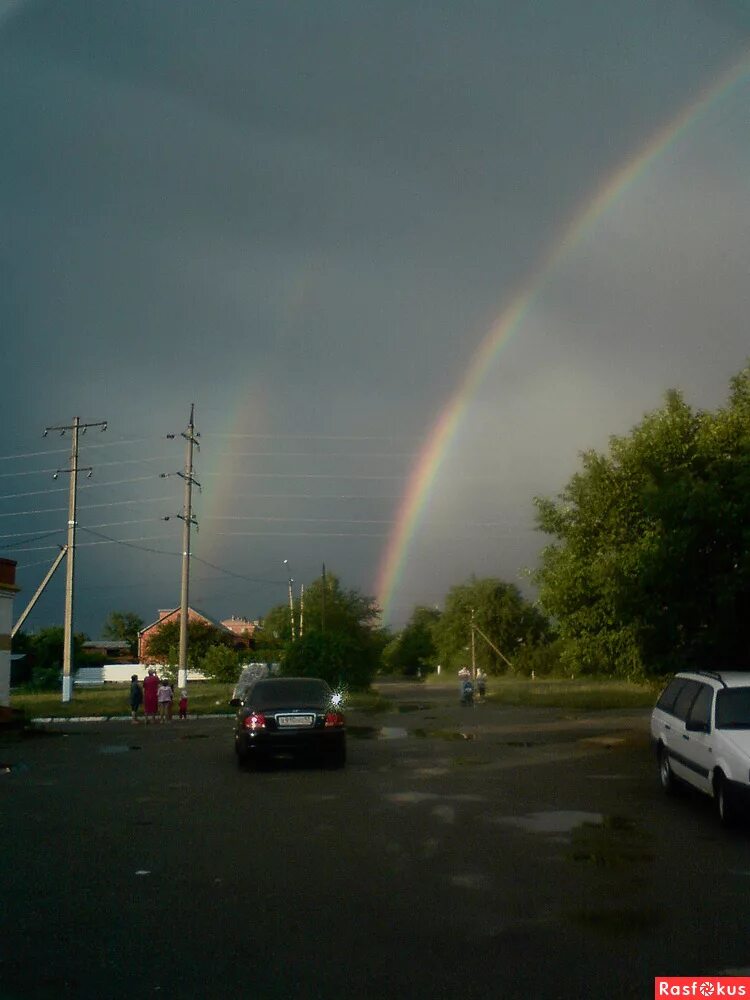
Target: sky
x,y
306,219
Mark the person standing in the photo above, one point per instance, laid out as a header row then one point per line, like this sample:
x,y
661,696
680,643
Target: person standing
x,y
481,682
164,698
136,697
183,704
150,695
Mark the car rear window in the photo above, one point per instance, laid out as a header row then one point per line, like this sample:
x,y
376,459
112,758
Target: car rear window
x,y
291,693
733,708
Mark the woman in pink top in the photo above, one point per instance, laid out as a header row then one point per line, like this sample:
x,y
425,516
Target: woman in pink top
x,y
150,695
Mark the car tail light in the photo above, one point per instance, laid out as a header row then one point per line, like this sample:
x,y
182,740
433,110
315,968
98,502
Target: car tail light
x,y
334,719
256,720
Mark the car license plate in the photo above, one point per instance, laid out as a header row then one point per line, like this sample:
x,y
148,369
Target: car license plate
x,y
286,721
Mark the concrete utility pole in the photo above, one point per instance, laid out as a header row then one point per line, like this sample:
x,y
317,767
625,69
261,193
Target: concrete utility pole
x,y
75,428
291,600
188,519
39,590
301,607
473,649
323,600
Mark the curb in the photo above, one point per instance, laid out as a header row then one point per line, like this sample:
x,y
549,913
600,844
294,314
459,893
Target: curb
x,y
118,718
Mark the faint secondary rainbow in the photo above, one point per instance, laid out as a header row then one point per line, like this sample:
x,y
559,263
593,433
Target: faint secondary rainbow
x,y
444,429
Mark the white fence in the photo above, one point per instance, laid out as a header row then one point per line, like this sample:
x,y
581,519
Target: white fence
x,y
119,673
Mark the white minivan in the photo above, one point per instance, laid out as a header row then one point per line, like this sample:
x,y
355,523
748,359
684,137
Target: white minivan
x,y
700,729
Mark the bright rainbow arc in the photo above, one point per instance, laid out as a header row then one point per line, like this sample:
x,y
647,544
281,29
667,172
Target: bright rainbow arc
x,y
444,429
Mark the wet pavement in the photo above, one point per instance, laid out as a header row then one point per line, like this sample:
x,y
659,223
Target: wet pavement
x,y
475,852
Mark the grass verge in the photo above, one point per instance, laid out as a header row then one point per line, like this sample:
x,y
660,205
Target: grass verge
x,y
108,700
589,694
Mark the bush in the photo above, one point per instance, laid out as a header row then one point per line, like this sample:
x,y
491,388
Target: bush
x,y
335,657
221,664
542,661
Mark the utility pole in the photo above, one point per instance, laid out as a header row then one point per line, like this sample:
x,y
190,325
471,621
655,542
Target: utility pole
x,y
39,590
75,428
301,607
291,600
473,649
323,602
188,520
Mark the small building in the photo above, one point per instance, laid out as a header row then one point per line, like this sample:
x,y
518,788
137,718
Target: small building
x,y
171,615
8,591
243,628
111,650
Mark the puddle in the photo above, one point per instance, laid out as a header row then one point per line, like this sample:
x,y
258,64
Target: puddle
x,y
613,842
471,880
116,748
564,821
470,761
446,813
604,741
608,777
392,733
517,743
362,732
443,734
416,797
412,707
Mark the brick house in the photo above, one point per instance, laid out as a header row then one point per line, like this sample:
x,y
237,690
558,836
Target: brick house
x,y
241,630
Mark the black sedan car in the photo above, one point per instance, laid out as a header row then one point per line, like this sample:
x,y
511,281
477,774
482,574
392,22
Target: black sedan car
x,y
282,716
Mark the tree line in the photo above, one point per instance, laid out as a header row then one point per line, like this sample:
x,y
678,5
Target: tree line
x,y
647,571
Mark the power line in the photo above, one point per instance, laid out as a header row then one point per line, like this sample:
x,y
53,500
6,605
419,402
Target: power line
x,y
315,454
130,544
64,451
239,576
316,437
35,538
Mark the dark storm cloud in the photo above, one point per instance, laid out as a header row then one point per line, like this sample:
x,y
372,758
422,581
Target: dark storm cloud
x,y
321,207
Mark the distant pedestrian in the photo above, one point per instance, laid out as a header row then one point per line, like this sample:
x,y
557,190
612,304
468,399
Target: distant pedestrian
x,y
164,697
150,695
481,682
136,697
183,704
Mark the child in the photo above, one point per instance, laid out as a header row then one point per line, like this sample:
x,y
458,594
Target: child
x,y
136,697
164,696
183,704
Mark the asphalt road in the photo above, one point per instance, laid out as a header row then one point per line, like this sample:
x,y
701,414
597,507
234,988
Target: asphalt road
x,y
482,852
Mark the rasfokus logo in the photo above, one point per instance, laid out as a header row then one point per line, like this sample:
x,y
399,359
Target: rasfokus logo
x,y
702,986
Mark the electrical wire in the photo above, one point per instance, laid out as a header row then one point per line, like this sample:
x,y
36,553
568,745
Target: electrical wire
x,y
315,437
34,538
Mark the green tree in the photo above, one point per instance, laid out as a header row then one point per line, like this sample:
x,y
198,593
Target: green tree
x,y
340,640
221,663
650,565
123,626
500,611
45,648
164,642
413,649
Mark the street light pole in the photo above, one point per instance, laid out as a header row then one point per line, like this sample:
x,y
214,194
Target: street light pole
x,y
291,601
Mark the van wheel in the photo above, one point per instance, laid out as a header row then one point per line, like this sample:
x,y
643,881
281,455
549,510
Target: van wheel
x,y
666,777
725,803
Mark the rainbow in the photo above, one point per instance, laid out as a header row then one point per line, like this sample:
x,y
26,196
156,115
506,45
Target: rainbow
x,y
444,429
